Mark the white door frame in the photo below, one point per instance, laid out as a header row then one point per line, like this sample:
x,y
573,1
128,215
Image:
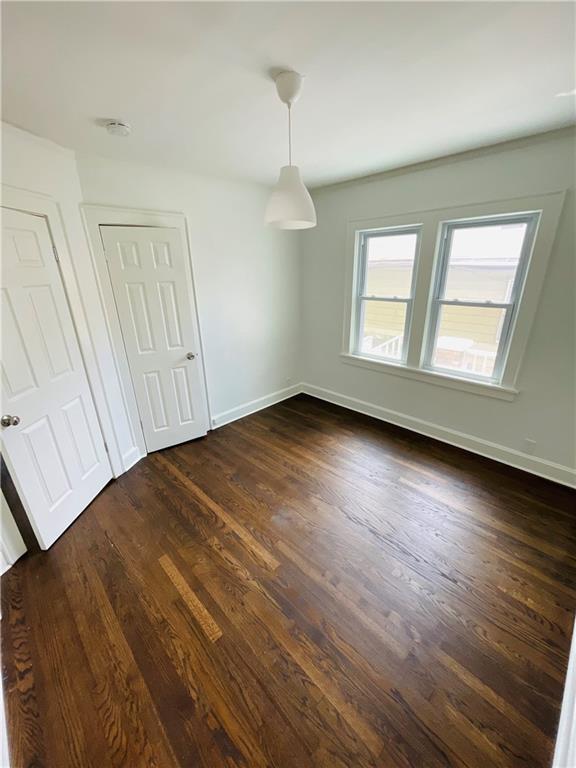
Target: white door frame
x,y
12,544
37,204
96,216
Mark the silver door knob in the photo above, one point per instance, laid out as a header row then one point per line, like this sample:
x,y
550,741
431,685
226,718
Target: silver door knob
x,y
190,356
10,421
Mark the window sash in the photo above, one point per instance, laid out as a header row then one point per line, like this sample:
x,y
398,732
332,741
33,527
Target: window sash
x,y
361,296
362,301
437,300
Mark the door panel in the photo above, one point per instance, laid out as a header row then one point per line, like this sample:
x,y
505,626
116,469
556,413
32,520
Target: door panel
x,y
46,458
16,367
156,400
80,435
140,317
152,286
170,316
56,452
49,329
182,390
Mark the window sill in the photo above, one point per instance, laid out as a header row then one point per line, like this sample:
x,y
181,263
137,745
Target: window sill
x,y
498,391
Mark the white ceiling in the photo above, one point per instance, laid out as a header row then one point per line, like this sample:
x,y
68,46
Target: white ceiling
x,y
386,83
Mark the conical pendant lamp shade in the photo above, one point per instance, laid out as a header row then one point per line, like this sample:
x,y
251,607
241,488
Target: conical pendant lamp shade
x,y
290,205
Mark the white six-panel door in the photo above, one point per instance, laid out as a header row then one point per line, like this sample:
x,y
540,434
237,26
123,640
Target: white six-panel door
x,y
152,286
51,439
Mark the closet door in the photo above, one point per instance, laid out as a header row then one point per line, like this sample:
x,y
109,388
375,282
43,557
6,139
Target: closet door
x,y
51,437
152,286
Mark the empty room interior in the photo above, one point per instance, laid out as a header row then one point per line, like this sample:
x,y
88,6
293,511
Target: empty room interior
x,y
288,350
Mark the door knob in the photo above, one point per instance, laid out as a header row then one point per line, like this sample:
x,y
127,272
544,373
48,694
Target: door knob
x,y
190,355
10,421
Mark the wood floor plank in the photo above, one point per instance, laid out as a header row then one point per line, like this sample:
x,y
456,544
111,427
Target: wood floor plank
x,y
26,737
221,684
304,588
249,541
206,622
502,644
67,689
405,560
129,718
312,632
408,551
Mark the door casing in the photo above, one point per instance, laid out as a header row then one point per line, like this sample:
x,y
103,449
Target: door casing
x,y
79,299
96,216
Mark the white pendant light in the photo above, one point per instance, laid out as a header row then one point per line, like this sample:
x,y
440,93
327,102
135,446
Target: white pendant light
x,y
290,205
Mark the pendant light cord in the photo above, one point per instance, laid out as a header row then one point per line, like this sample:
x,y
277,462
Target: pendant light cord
x,y
289,135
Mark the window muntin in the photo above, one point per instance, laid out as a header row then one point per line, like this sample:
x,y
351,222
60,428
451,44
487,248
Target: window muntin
x,y
387,269
479,274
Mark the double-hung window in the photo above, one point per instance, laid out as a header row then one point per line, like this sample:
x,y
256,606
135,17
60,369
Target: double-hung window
x,y
386,275
450,299
479,273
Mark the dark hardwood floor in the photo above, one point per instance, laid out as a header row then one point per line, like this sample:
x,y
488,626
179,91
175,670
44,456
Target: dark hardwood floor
x,y
302,588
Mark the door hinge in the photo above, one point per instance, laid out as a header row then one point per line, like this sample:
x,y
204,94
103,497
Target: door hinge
x,y
55,253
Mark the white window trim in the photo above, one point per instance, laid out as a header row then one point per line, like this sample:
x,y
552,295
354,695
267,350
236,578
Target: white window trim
x,y
549,206
474,386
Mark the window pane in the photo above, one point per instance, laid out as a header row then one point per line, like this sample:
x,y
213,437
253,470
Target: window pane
x,y
389,263
382,333
468,339
483,262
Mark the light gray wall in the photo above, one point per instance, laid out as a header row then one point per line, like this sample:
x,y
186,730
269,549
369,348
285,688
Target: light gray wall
x,y
270,318
247,276
545,408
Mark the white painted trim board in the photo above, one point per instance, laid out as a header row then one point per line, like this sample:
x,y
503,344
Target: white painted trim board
x,y
252,406
95,216
431,221
4,751
541,467
565,752
12,545
51,210
549,470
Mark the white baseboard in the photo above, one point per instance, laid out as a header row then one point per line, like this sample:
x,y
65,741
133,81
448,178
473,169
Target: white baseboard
x,y
254,405
547,469
131,457
565,752
559,473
